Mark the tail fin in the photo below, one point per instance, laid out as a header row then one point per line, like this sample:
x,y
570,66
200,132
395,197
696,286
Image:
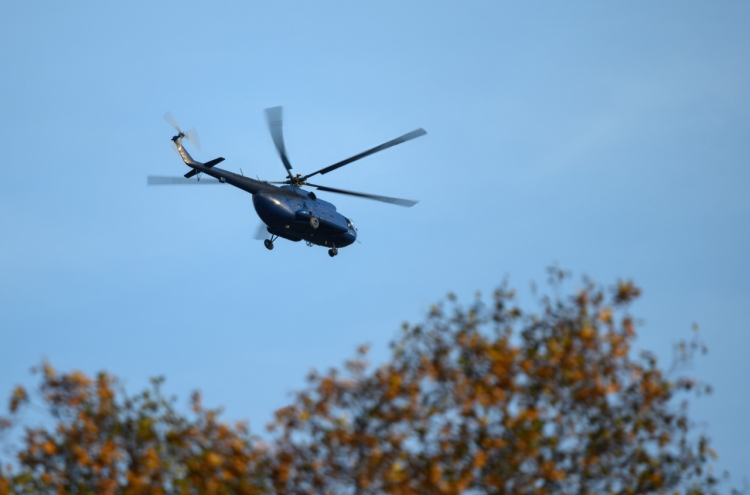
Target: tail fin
x,y
183,152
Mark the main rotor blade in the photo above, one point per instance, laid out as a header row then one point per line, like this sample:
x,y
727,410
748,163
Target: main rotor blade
x,y
406,137
385,199
159,180
261,232
275,125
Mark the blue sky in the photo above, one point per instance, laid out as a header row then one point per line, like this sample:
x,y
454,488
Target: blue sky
x,y
610,138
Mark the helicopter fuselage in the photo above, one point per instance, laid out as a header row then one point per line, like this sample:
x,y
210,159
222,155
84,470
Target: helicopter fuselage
x,y
296,214
291,212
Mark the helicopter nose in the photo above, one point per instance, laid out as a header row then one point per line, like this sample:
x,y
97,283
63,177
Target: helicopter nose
x,y
350,236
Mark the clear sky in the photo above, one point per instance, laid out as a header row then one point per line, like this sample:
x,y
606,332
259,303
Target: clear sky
x,y
608,137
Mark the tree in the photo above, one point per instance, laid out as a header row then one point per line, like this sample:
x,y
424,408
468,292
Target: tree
x,y
104,442
479,399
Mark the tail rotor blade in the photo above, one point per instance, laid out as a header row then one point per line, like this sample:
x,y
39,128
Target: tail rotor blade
x,y
274,117
171,121
192,136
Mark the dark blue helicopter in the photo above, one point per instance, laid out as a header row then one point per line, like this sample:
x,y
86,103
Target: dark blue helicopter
x,y
287,211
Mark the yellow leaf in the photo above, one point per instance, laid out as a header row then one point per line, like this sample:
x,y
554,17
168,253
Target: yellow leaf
x,y
605,315
213,459
480,459
49,448
19,396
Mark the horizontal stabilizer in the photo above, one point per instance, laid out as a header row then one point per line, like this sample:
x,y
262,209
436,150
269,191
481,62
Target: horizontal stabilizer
x,y
207,165
213,162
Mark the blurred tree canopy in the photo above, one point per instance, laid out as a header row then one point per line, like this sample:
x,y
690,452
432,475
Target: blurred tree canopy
x,y
478,399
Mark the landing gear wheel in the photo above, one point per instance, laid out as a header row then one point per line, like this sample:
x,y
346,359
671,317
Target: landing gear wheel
x,y
314,223
333,252
269,244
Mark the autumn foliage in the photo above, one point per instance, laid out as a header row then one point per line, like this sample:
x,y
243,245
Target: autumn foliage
x,y
481,399
103,443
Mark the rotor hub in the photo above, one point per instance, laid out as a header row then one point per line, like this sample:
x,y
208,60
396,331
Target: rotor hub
x,y
297,181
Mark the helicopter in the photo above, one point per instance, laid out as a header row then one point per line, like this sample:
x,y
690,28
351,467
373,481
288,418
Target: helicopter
x,y
286,209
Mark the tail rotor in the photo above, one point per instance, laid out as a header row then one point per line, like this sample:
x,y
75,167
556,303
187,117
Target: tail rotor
x,y
191,135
